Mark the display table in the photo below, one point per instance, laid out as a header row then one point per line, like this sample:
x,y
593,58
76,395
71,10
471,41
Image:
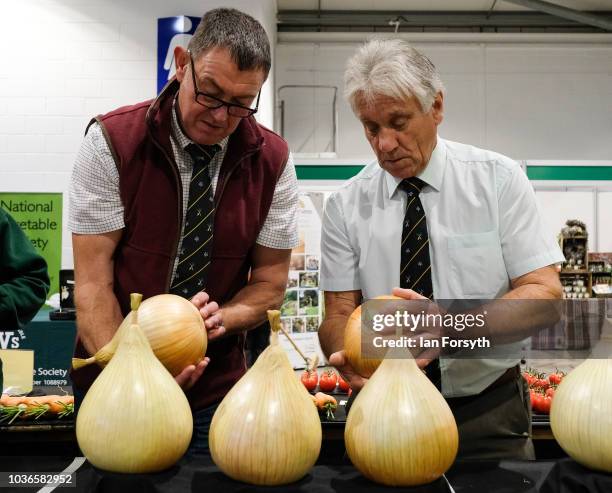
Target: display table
x,y
199,474
52,342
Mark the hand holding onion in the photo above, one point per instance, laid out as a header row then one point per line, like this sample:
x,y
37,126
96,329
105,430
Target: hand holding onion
x,y
211,314
175,330
190,375
354,379
214,327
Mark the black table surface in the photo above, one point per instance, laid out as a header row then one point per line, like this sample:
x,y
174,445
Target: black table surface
x,y
199,474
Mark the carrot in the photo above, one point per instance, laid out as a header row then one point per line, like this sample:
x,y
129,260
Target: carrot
x,y
326,403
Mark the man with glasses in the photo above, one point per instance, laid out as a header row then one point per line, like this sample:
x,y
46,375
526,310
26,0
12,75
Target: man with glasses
x,y
187,194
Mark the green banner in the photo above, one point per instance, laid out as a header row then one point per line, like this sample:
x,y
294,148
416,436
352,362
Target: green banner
x,y
40,217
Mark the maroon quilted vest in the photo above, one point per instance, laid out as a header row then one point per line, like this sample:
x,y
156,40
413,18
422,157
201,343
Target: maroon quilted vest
x,y
151,192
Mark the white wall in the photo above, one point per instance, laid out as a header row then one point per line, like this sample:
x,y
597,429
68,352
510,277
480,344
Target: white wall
x,y
544,100
64,61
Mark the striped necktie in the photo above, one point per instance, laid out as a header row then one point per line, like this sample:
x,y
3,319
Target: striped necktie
x,y
196,247
415,265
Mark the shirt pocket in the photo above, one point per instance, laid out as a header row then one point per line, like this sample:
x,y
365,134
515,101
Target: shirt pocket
x,y
477,266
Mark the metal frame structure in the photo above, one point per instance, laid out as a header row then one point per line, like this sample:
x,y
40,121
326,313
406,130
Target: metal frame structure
x,y
546,17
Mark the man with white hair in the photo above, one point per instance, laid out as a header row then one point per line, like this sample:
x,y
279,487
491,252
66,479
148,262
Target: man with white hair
x,y
434,219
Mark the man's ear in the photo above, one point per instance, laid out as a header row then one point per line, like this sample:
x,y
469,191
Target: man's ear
x,y
181,61
437,108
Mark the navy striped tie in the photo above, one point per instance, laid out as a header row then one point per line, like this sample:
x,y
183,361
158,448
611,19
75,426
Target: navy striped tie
x,y
196,248
415,265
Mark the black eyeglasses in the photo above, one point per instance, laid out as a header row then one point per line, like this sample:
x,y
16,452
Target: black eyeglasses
x,y
212,102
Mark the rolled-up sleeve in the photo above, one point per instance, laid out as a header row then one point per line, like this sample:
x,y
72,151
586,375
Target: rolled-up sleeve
x,y
527,243
95,203
339,263
280,227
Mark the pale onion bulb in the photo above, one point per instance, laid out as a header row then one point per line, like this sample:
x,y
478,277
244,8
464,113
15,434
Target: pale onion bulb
x,y
581,414
353,341
174,328
135,418
266,431
400,430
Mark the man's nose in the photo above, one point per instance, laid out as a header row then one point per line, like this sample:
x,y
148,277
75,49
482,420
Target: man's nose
x,y
220,114
387,140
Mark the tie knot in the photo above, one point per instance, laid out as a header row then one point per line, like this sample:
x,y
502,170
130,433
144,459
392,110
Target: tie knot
x,y
412,184
202,154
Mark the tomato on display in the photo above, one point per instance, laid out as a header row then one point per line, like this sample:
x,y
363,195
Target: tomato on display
x,y
310,379
328,381
343,384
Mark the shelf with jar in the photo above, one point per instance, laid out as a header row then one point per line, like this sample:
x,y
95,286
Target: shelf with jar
x,y
600,268
576,286
575,275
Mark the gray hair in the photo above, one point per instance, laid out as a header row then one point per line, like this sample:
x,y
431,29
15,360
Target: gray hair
x,y
241,34
393,68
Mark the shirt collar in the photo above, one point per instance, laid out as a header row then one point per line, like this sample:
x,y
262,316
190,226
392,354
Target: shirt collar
x,y
432,174
182,139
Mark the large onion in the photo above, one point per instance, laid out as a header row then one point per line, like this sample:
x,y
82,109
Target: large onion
x,y
353,335
581,414
134,418
400,430
174,328
266,431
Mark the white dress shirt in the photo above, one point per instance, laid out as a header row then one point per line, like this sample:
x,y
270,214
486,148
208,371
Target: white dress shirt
x,y
484,229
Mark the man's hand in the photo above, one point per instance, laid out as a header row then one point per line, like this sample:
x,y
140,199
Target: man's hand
x,y
211,314
407,294
428,354
189,376
338,360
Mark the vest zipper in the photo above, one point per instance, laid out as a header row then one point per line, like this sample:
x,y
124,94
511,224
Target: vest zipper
x,y
180,208
221,183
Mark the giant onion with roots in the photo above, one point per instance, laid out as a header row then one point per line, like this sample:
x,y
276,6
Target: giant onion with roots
x,y
174,328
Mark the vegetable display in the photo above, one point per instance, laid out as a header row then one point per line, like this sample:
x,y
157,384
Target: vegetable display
x,y
135,418
35,407
542,389
266,430
174,328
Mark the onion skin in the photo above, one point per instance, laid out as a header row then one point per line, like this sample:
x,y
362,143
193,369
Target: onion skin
x,y
175,330
266,430
400,430
581,414
135,418
352,342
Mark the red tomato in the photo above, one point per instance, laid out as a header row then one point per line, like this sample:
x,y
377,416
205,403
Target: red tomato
x,y
532,397
528,378
555,378
541,383
536,400
545,405
328,381
309,379
343,384
550,392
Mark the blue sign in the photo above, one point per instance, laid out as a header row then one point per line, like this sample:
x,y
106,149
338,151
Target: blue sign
x,y
172,32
